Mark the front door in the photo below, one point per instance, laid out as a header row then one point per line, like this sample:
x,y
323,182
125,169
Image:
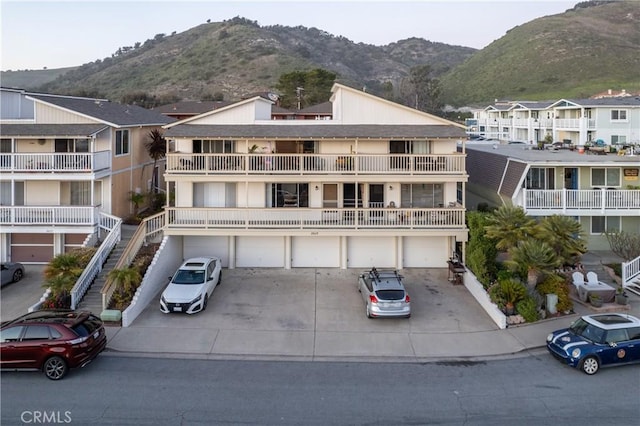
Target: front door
x,y
571,178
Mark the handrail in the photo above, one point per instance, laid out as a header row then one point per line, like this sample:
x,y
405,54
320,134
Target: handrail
x,y
113,225
630,270
149,227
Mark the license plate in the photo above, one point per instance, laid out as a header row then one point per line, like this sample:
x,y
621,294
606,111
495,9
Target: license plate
x,y
394,305
177,309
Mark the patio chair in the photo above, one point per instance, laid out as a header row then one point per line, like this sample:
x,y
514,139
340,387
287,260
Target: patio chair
x,y
578,279
592,278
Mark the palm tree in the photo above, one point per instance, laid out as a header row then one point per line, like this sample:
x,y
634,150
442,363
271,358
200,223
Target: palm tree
x,y
156,146
136,198
565,236
535,258
65,265
126,281
508,225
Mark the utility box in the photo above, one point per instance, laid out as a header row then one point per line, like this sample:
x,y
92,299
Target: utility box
x,y
552,302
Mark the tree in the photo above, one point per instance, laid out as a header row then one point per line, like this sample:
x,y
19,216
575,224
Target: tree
x,y
136,198
126,282
565,236
156,146
421,91
624,244
304,88
534,258
508,225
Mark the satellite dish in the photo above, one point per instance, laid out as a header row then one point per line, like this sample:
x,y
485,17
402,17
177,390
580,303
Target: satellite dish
x,y
273,97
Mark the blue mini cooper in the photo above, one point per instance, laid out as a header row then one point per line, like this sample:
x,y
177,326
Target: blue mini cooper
x,y
594,341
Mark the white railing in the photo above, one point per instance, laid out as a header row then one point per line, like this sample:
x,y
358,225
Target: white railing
x,y
149,227
179,163
48,215
630,271
55,162
112,225
582,199
310,218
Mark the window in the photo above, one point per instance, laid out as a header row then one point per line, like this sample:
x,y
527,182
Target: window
x,y
11,334
618,139
122,142
602,224
421,195
540,178
36,332
288,195
207,146
605,177
72,145
80,193
618,115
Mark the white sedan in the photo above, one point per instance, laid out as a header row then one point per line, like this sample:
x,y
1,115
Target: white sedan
x,y
191,286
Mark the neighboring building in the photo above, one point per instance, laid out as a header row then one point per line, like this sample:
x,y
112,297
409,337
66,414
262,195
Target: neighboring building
x,y
608,121
373,183
601,191
186,109
63,161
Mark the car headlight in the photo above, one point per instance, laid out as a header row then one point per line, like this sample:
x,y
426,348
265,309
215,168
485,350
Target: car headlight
x,y
197,299
163,300
575,353
549,337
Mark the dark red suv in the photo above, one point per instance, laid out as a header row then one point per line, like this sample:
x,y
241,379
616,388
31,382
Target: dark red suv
x,y
51,341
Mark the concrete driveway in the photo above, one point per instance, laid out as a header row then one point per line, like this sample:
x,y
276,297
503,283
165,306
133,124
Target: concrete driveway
x,y
16,298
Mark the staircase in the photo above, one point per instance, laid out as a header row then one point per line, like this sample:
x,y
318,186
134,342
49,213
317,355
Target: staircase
x,y
92,300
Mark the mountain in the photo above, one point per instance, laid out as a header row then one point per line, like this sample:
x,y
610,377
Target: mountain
x,y
238,56
588,49
30,79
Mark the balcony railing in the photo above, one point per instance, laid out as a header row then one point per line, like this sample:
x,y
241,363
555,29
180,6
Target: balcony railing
x,y
75,162
310,218
564,200
179,163
48,215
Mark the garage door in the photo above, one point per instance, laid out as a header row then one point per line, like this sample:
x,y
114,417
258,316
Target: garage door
x,y
315,252
260,252
31,248
207,246
366,252
425,252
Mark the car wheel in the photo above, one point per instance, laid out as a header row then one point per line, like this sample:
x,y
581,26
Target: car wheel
x,y
206,301
219,278
368,312
17,275
55,368
590,365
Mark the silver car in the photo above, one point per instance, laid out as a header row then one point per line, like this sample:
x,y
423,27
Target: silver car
x,y
384,294
12,272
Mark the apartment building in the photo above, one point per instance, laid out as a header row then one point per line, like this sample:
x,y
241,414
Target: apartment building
x,y
64,161
370,183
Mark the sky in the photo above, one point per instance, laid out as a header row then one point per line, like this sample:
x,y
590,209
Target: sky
x,y
62,33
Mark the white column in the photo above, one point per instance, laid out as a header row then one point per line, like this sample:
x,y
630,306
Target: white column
x,y
232,252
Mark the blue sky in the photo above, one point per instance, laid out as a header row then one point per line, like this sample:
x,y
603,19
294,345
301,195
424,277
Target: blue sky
x,y
56,34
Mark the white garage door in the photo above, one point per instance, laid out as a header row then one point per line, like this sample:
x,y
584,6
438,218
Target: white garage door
x,y
207,246
260,252
315,252
425,252
366,252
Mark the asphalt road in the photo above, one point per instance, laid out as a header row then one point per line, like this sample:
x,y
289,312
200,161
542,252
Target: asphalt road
x,y
116,390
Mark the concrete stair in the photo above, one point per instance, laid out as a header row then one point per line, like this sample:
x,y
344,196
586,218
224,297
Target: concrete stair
x,y
92,300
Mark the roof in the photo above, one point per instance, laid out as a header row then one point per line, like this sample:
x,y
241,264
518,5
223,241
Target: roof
x,y
52,130
190,107
314,131
112,113
323,108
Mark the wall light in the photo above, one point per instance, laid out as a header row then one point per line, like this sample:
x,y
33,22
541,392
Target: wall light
x,y
390,188
317,187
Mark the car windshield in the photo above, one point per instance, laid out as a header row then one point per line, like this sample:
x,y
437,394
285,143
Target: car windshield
x,y
184,276
390,294
588,331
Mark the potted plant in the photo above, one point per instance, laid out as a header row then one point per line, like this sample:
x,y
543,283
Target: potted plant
x,y
621,296
595,300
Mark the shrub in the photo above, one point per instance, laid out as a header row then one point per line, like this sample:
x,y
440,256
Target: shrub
x,y
556,284
528,309
506,293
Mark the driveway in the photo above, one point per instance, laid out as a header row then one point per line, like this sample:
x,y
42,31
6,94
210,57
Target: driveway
x,y
16,298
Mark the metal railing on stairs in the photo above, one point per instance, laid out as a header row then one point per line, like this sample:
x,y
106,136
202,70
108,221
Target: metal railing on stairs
x,y
148,228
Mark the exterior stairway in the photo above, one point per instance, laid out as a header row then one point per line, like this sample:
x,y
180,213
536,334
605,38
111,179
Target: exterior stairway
x,y
92,300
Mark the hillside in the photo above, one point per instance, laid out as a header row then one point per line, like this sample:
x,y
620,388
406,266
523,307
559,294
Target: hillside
x,y
238,56
30,79
575,54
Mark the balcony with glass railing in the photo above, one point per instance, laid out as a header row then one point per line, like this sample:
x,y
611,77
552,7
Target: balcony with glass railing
x,y
314,164
68,162
582,202
48,215
183,218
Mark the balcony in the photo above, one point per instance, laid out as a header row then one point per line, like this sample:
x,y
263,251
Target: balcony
x,y
313,219
68,162
314,164
582,202
48,215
